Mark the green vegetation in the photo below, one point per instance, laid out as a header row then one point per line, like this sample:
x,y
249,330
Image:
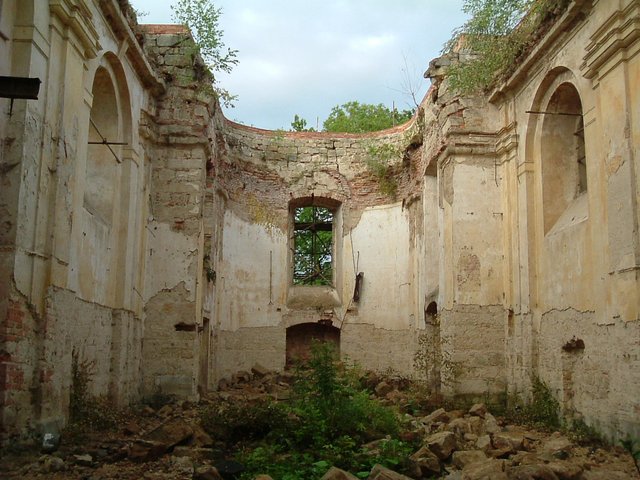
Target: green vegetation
x,y
326,422
299,124
202,18
88,413
633,447
497,32
313,247
542,411
379,162
355,117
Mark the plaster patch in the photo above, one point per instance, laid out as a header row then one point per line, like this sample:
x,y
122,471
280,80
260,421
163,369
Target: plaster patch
x,y
178,252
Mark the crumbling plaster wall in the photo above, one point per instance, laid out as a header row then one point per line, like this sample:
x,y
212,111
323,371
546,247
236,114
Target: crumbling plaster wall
x,y
256,176
195,258
519,298
179,132
464,342
573,287
58,280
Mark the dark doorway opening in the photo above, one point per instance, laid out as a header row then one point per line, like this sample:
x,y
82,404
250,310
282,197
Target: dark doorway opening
x,y
300,338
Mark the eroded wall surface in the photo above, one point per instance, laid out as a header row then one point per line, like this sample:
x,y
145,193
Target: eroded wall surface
x,y
571,237
102,204
71,240
537,195
496,245
259,175
179,134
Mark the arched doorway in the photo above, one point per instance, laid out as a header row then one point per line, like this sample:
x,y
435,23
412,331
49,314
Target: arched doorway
x,y
301,337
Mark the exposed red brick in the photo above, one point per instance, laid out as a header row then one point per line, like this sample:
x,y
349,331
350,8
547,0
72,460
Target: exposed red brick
x,y
168,29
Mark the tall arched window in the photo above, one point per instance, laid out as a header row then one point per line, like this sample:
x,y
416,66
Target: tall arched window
x,y
312,245
313,241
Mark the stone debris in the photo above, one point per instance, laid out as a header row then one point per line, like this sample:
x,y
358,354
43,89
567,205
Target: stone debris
x,y
427,462
168,443
337,474
378,472
207,472
442,444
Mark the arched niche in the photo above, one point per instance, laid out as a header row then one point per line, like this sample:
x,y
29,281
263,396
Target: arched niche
x,y
107,187
564,171
556,143
301,337
102,159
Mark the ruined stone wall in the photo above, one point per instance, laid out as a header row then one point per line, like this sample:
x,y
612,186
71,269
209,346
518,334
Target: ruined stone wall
x,y
487,260
256,176
179,132
537,221
462,347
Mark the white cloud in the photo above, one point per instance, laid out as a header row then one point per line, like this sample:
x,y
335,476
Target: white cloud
x,y
365,44
307,56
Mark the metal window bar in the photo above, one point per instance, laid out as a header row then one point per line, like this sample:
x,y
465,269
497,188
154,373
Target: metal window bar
x,y
105,142
313,262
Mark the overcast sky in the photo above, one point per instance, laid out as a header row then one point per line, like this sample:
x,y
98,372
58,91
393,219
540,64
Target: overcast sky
x,y
306,56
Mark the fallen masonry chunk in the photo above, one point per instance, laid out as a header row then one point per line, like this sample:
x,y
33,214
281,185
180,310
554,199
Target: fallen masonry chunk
x,y
427,461
382,473
336,474
442,444
259,371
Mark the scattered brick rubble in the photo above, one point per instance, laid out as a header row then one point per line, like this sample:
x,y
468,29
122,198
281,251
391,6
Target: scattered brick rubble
x,y
169,443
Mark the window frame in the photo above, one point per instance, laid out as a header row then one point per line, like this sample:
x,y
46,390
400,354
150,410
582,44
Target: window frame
x,y
315,274
304,297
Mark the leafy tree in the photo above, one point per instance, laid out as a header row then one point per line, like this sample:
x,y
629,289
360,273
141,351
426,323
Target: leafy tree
x,y
313,250
355,117
202,18
495,34
299,124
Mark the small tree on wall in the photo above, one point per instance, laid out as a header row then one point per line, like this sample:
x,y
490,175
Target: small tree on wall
x,y
202,18
355,117
496,33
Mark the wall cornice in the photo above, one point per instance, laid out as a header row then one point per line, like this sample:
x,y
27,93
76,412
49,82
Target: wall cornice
x,y
76,15
135,54
617,33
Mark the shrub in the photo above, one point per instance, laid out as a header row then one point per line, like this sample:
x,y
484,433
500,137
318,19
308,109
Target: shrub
x,y
89,413
543,410
324,424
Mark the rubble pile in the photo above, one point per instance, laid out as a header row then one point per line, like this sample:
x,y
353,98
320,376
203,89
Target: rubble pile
x,y
170,443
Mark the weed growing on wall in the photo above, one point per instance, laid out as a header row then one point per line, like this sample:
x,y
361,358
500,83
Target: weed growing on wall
x,y
203,18
378,161
543,410
633,447
79,399
87,412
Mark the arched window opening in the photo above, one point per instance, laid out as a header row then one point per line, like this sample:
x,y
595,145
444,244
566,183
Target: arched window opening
x,y
564,170
101,159
313,245
301,337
